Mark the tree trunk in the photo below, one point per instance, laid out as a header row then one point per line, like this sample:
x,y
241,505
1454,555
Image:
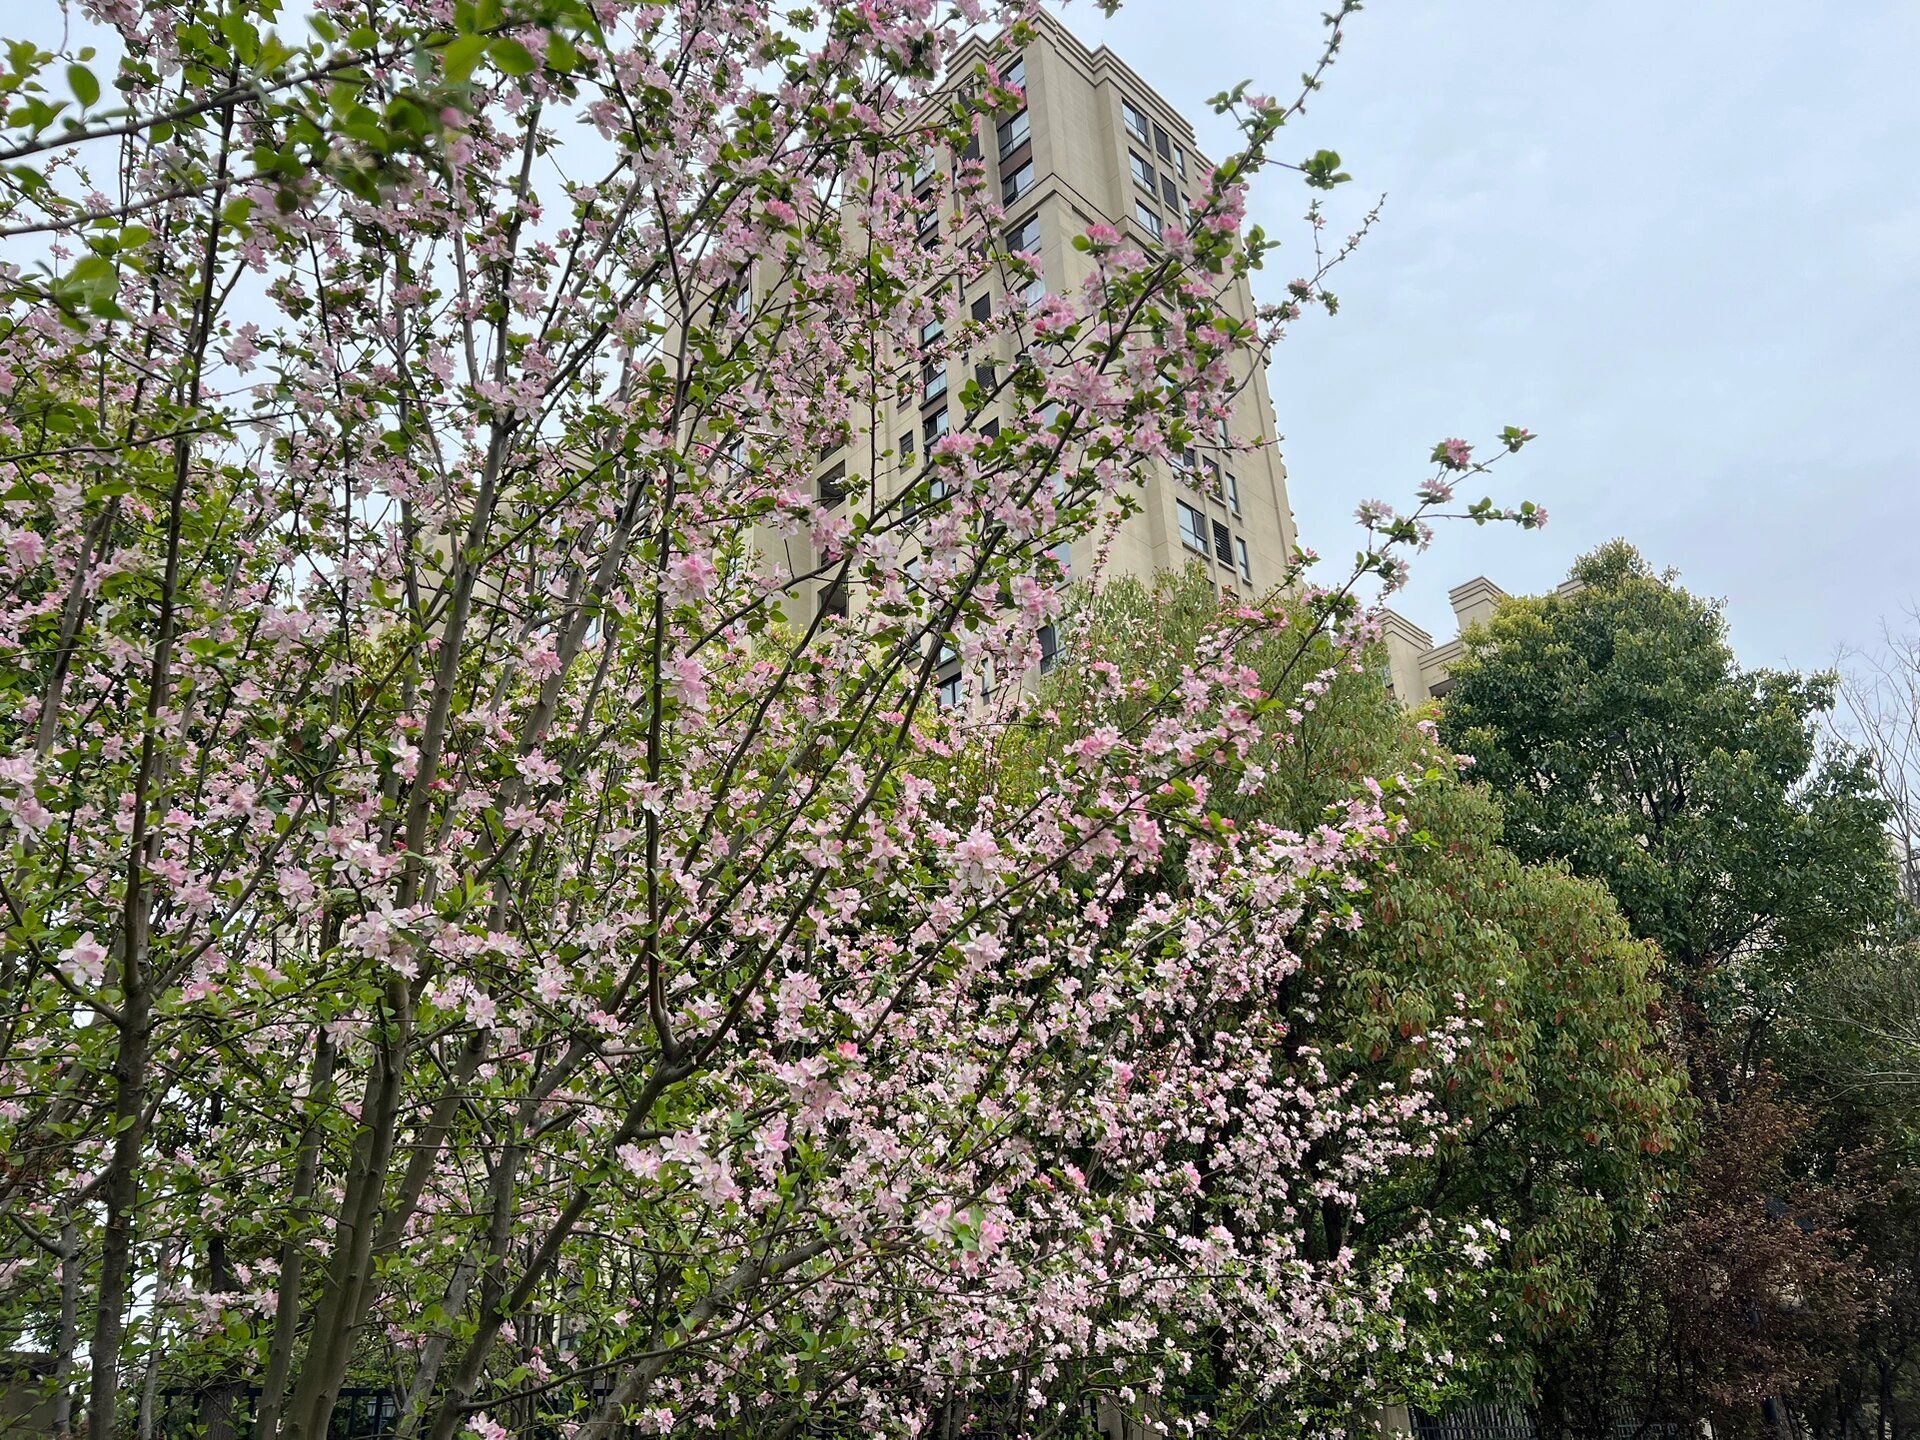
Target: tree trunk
x,y
68,1336
150,1386
122,1199
293,1253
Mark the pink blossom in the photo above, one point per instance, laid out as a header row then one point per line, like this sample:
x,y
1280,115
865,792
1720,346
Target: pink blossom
x,y
690,578
687,680
978,857
25,548
85,961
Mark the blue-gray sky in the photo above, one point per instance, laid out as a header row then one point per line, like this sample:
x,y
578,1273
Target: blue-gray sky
x,y
1679,241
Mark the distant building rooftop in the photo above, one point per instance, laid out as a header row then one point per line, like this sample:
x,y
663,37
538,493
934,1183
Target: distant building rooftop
x,y
1420,670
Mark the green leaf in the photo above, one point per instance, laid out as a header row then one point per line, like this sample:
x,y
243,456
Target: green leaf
x,y
512,57
463,55
85,88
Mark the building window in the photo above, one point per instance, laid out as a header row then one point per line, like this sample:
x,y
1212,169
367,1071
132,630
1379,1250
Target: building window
x,y
1025,236
1246,564
1014,130
833,485
1016,184
1180,162
933,370
982,309
1016,74
947,677
1233,493
1169,194
1162,146
1222,544
936,425
1049,648
1147,218
1034,291
1142,172
906,447
1063,557
1193,527
1135,120
990,430
833,602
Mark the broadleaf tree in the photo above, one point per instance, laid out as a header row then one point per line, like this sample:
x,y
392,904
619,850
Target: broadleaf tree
x,y
1621,736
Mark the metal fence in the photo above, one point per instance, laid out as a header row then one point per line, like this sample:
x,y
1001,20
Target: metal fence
x,y
363,1413
1479,1422
1522,1422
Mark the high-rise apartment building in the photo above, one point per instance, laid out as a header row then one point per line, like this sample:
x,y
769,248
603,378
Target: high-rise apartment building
x,y
1094,145
1097,145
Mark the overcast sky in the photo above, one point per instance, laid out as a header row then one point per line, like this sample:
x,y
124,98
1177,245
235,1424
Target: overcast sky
x,y
1681,242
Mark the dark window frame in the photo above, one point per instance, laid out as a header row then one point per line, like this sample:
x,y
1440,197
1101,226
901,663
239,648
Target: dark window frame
x,y
1006,134
1049,639
1011,186
1193,527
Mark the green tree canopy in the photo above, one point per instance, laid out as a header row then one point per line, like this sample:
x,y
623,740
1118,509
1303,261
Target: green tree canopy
x,y
1622,736
1565,1100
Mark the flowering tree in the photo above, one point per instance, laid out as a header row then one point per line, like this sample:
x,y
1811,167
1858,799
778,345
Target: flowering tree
x,y
466,931
1558,1117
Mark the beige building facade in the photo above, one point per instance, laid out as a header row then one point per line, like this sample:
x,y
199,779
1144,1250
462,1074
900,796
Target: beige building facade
x,y
1094,144
1098,145
1417,668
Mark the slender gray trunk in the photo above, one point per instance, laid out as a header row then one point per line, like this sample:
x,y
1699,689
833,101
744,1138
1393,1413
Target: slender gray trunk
x,y
69,1325
293,1253
414,1408
150,1386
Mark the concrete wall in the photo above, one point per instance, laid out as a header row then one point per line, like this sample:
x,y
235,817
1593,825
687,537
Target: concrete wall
x,y
1421,670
